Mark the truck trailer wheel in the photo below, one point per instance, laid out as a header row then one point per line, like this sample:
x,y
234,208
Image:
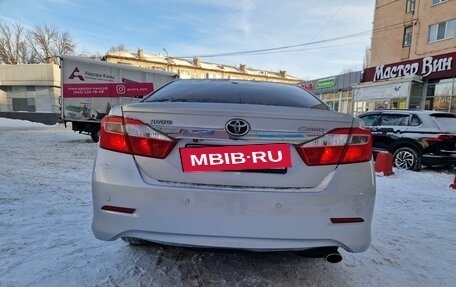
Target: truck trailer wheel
x,y
95,134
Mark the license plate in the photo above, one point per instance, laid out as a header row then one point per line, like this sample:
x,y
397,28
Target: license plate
x,y
239,157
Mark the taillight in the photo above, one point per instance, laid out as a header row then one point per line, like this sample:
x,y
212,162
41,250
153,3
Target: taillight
x,y
440,138
133,136
339,146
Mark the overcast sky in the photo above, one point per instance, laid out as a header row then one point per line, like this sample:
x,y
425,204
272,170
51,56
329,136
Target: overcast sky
x,y
208,27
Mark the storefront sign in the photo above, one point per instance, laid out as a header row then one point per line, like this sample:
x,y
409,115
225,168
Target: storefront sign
x,y
308,86
326,83
431,67
378,92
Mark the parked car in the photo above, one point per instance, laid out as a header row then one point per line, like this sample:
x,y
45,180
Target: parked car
x,y
235,164
414,137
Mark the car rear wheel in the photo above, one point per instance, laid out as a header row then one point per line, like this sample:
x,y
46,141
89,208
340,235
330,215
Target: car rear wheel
x,y
407,158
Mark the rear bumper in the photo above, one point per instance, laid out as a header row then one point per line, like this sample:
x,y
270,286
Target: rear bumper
x,y
232,218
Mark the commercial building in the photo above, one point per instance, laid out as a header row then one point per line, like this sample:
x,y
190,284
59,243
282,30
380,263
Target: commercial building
x,y
30,92
336,91
412,58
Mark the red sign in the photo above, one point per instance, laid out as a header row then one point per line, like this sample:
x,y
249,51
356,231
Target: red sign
x,y
107,90
431,67
241,157
308,86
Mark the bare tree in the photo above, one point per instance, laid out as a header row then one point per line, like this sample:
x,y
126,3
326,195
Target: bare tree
x,y
119,48
46,42
21,46
13,46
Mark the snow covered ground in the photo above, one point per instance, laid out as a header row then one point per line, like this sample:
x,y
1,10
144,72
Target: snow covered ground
x,y
45,236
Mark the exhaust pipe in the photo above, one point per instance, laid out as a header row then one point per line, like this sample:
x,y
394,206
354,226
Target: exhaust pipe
x,y
333,257
330,254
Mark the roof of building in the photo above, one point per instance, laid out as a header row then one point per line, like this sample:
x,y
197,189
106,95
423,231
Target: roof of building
x,y
160,58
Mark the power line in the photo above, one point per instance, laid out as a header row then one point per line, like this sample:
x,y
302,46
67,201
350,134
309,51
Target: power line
x,y
330,19
386,4
280,48
223,21
306,49
275,49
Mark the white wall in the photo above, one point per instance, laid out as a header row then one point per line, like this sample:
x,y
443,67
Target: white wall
x,y
3,102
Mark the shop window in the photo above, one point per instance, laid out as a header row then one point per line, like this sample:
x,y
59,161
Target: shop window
x,y
407,41
346,103
381,105
415,96
439,95
398,104
441,31
442,103
328,96
453,104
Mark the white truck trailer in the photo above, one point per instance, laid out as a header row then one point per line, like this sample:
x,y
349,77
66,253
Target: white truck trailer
x,y
91,87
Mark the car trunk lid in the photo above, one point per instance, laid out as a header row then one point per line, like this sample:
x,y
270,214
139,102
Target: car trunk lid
x,y
198,125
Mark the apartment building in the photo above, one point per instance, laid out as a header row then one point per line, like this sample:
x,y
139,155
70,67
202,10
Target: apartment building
x,y
412,63
197,69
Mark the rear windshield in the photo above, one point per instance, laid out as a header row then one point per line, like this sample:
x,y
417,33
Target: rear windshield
x,y
446,122
236,92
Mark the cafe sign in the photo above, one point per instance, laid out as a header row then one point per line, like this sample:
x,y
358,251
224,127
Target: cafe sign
x,y
432,67
326,83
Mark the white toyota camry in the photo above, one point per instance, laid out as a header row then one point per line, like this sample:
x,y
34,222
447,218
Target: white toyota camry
x,y
235,164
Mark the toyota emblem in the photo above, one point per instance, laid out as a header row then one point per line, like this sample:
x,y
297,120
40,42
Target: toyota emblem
x,y
237,127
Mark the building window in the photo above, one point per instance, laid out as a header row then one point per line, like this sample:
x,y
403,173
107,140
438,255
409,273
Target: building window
x,y
23,105
184,74
410,6
443,30
407,36
434,2
8,89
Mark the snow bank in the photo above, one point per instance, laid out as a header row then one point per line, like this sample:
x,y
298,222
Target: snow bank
x,y
46,240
